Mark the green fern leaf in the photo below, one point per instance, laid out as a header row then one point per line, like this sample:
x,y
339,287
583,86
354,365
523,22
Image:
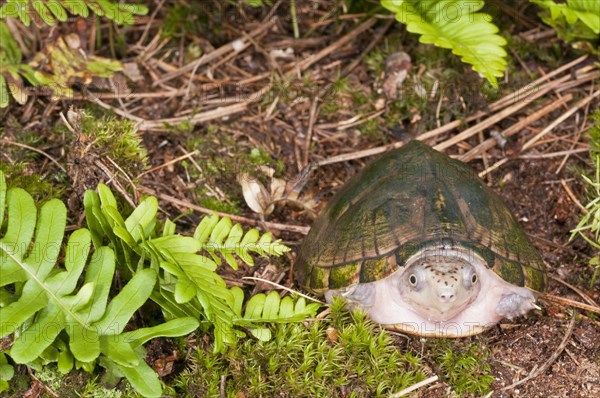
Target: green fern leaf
x,y
11,69
67,65
49,11
455,24
270,308
189,284
50,303
220,235
573,11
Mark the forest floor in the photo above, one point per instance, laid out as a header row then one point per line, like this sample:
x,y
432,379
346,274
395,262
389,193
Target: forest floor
x,y
312,111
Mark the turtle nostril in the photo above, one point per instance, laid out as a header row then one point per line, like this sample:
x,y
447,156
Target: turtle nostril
x,y
446,298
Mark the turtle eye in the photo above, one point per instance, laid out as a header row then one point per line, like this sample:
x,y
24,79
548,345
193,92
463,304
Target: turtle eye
x,y
412,279
469,277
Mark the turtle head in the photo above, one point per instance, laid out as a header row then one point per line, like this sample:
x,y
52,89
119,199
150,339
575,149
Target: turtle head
x,y
439,287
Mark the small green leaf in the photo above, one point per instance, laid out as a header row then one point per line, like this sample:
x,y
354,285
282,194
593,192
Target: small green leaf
x,y
229,259
169,228
100,273
106,196
255,306
238,299
22,215
133,295
57,10
122,233
176,244
220,231
4,97
185,290
65,362
28,345
300,306
262,334
43,12
251,236
205,227
271,307
32,300
172,269
118,349
113,216
84,342
91,202
141,218
286,307
6,370
173,328
190,260
143,379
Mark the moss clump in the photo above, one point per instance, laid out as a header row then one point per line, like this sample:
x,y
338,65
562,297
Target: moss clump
x,y
26,168
72,385
588,227
464,366
109,136
212,203
594,134
40,187
344,355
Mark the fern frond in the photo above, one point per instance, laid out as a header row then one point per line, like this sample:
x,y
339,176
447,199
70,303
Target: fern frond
x,y
54,316
12,70
220,235
270,308
49,11
59,65
188,284
455,24
572,12
63,65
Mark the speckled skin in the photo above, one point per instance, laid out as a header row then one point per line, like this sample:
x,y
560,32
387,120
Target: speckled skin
x,y
416,203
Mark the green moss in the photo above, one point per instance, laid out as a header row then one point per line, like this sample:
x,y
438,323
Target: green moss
x,y
344,355
40,187
401,111
76,384
258,157
375,61
21,165
552,54
588,227
594,133
463,365
18,384
179,19
231,207
371,128
108,136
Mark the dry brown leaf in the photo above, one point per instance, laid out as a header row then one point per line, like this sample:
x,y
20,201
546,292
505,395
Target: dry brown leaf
x,y
255,194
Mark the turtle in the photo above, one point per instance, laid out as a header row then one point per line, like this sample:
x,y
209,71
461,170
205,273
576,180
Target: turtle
x,y
420,243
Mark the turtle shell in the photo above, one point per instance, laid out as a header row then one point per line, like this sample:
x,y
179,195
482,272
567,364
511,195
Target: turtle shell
x,y
407,200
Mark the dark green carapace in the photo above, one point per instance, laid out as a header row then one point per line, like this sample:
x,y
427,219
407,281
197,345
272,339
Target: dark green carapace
x,y
408,199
